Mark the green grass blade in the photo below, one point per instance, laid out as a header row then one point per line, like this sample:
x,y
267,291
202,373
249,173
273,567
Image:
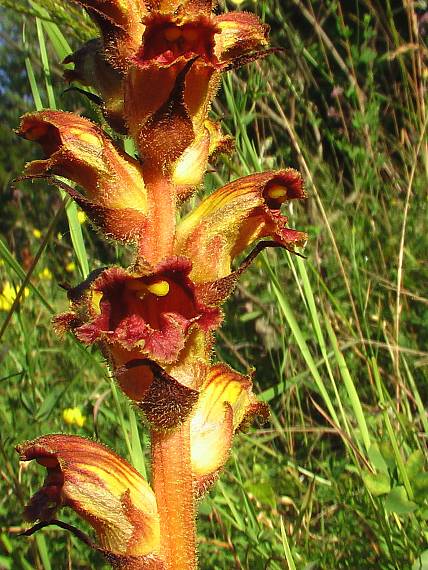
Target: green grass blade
x,y
418,400
121,417
45,64
137,455
71,210
390,430
77,239
56,37
43,551
286,547
350,387
30,73
310,300
301,342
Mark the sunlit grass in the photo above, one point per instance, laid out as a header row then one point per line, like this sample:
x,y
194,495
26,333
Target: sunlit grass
x,y
338,338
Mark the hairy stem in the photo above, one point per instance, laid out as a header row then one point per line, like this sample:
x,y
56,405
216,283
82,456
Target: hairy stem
x,y
172,484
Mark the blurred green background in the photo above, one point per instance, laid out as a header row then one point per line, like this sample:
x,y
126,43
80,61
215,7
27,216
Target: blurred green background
x,y
338,478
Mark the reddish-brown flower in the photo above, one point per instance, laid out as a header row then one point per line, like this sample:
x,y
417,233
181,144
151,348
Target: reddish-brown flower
x,y
120,23
226,403
149,315
92,69
146,324
136,70
116,198
101,487
236,216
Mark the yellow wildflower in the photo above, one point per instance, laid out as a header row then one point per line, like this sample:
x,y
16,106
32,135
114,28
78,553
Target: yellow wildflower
x,y
8,295
45,274
70,267
81,216
73,416
37,233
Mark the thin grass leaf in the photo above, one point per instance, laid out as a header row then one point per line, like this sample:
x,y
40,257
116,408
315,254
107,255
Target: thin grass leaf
x,y
121,418
77,239
71,210
45,65
137,455
418,400
30,72
43,551
301,342
57,38
286,547
390,430
310,300
354,399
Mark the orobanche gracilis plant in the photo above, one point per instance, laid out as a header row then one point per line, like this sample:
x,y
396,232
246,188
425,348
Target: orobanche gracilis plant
x,y
156,67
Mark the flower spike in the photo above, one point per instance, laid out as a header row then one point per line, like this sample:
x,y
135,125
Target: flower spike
x,y
154,73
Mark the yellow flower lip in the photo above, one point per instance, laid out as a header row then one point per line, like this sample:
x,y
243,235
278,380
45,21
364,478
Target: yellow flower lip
x,y
159,288
277,192
96,300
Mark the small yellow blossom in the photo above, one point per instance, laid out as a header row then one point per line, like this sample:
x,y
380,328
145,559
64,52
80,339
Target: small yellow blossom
x,y
81,216
70,267
8,295
45,274
59,236
73,416
37,233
